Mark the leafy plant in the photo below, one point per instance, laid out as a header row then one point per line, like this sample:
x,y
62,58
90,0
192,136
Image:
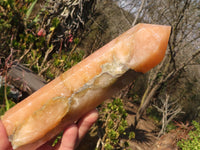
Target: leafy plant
x,y
193,142
5,103
29,11
113,121
12,23
67,59
131,135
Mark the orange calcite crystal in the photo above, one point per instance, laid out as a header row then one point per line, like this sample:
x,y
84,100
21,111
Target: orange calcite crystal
x,y
63,101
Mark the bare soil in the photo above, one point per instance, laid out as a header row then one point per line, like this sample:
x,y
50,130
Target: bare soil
x,y
145,134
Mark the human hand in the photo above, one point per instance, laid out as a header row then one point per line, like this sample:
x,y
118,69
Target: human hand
x,y
71,136
4,143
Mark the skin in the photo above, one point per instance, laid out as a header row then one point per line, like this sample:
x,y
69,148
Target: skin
x,y
71,136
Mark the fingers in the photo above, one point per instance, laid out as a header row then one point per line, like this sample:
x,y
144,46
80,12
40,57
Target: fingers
x,y
85,123
69,138
74,133
4,143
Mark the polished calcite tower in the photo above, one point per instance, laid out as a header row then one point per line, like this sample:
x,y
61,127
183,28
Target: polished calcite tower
x,y
63,101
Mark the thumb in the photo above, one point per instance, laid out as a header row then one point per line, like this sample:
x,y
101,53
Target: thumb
x,y
4,142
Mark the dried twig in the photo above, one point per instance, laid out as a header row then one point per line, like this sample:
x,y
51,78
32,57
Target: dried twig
x,y
26,52
46,55
138,13
168,113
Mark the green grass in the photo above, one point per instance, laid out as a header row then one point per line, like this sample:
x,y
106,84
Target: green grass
x,y
193,142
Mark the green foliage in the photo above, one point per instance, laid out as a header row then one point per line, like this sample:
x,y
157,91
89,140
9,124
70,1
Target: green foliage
x,y
33,49
193,142
13,27
153,113
159,74
131,135
55,22
15,37
29,11
49,74
5,108
57,139
136,98
108,146
115,123
5,103
67,59
171,126
76,40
